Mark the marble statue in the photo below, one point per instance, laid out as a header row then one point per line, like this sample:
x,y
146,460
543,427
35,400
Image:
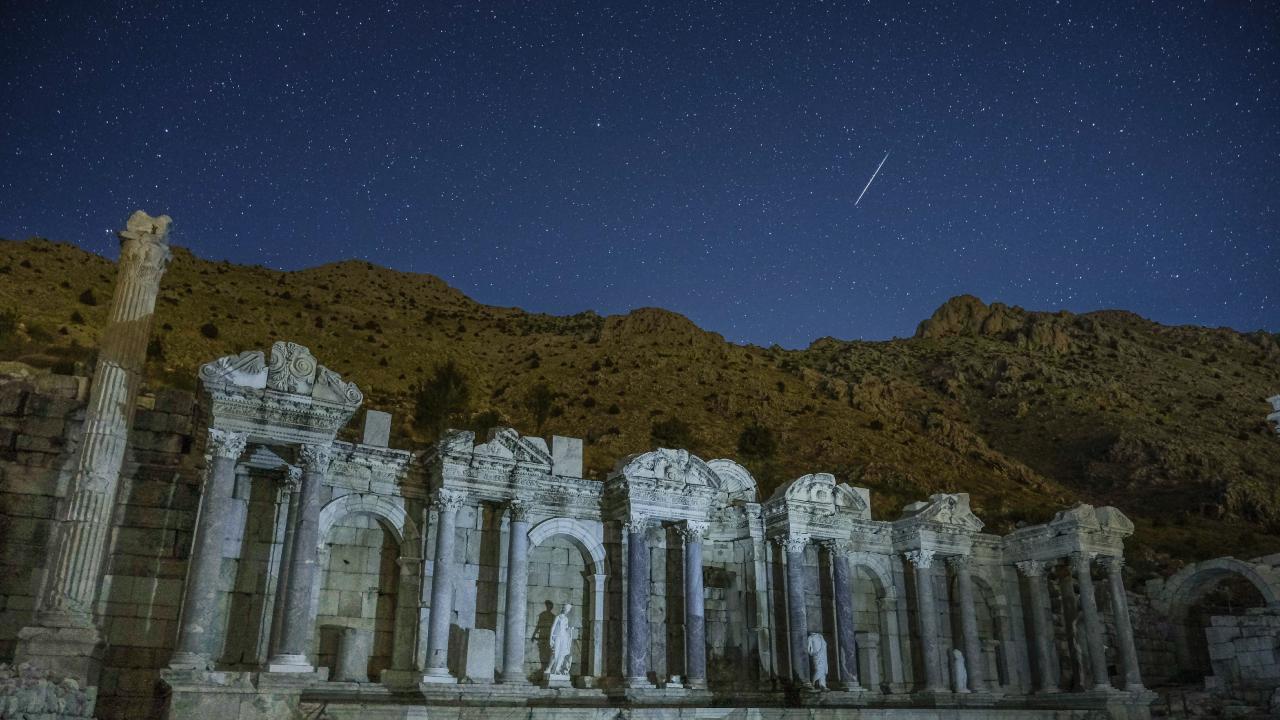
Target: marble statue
x,y
817,649
561,643
959,674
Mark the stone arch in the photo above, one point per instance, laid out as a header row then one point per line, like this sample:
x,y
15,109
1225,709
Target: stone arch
x,y
1187,586
589,540
1000,648
387,510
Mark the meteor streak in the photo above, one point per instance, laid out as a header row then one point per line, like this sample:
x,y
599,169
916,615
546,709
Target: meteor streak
x,y
873,179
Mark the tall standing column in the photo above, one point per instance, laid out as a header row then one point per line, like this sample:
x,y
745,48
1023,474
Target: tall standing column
x,y
846,639
793,546
695,623
960,567
1042,625
927,609
513,640
196,644
447,504
1124,626
1080,565
303,565
291,487
64,638
637,602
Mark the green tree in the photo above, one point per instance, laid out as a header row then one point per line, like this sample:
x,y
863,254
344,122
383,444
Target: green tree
x,y
443,399
538,401
757,442
671,433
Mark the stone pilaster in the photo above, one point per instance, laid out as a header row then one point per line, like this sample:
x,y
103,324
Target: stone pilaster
x,y
637,669
1124,626
1080,565
447,503
695,623
961,567
197,645
1042,624
303,565
793,546
846,638
891,643
927,610
517,593
290,486
64,639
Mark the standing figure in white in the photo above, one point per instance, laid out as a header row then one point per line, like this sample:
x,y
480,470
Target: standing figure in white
x,y
561,643
959,673
817,649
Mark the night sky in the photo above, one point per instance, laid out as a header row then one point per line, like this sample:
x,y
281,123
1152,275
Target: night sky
x,y
703,157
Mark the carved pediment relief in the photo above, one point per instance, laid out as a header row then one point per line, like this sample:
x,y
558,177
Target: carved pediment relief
x,y
1087,518
292,369
820,494
677,467
946,509
735,480
248,369
506,444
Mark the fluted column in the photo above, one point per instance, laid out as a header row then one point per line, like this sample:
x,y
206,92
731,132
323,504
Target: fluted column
x,y
927,610
196,644
1080,565
846,639
695,624
1042,624
797,616
447,504
1124,626
78,546
960,567
304,564
637,602
517,593
291,487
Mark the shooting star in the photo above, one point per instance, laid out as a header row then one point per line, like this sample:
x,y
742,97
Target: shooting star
x,y
873,179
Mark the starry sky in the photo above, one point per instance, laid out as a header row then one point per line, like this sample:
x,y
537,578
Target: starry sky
x,y
700,156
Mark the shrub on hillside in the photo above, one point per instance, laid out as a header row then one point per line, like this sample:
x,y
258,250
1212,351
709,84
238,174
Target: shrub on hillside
x,y
445,397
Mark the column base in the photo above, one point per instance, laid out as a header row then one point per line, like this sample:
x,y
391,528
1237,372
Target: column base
x,y
65,651
1048,691
289,664
696,684
557,681
639,683
189,661
438,676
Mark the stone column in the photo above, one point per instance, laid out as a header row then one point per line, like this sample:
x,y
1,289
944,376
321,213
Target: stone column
x,y
513,640
927,609
695,623
1080,565
637,602
304,564
64,639
1042,624
846,640
597,625
447,504
797,617
1007,649
290,487
960,567
196,642
1124,626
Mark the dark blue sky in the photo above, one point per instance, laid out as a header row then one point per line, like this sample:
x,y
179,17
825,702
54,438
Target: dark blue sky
x,y
703,157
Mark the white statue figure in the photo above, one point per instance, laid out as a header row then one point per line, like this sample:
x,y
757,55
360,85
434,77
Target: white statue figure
x,y
958,671
817,649
561,643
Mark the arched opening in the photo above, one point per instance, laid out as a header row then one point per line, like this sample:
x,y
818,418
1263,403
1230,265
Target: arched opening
x,y
1216,621
566,565
356,604
997,649
870,626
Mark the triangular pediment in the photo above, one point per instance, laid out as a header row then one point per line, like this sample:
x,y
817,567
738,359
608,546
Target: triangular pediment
x,y
948,509
507,444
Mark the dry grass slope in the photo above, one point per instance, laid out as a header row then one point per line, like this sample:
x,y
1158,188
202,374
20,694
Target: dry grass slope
x,y
1026,411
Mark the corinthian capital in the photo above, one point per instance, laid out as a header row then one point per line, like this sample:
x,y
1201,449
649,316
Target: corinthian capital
x,y
693,531
446,500
637,523
519,509
144,245
792,542
292,478
838,548
316,458
922,559
959,563
227,444
1031,568
1081,561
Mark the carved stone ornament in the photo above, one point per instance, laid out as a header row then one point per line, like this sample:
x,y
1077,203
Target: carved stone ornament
x,y
248,369
292,368
292,478
922,559
1031,568
792,542
1080,561
332,388
693,531
446,500
838,548
671,466
144,246
316,458
227,444
519,509
959,562
637,523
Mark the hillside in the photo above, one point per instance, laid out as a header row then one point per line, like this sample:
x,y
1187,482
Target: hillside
x,y
1027,411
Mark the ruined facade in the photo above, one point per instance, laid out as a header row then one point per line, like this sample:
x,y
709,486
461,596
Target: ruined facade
x,y
251,565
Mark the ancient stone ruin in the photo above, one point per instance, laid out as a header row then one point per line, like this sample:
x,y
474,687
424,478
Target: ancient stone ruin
x,y
226,555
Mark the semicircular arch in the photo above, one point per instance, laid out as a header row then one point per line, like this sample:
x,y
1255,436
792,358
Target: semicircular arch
x,y
390,513
1191,583
586,537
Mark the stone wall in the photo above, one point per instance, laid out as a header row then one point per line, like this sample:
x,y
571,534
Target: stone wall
x,y
40,419
1244,650
358,588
